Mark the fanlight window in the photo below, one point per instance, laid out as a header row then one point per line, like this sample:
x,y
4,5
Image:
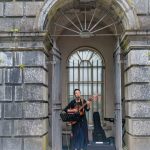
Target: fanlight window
x,y
85,72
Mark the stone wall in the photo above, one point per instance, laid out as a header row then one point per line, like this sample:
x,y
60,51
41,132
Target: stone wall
x,y
23,93
137,91
19,15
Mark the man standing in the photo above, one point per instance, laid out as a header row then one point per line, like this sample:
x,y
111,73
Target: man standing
x,y
79,139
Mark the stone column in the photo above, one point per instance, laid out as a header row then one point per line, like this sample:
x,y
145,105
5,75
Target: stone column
x,y
118,107
55,101
137,90
23,92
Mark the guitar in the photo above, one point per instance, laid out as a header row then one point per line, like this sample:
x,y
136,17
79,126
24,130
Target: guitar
x,y
80,108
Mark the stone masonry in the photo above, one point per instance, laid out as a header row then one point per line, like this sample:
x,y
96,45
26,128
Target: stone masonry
x,y
23,93
137,91
24,74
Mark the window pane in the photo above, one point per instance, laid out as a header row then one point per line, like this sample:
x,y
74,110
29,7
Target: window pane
x,y
85,89
85,73
71,74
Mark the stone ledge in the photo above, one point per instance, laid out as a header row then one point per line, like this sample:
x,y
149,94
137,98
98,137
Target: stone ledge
x,y
24,35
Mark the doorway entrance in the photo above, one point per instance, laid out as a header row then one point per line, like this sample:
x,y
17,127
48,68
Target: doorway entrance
x,y
75,24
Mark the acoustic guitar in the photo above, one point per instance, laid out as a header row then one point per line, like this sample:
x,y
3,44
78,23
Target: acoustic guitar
x,y
80,109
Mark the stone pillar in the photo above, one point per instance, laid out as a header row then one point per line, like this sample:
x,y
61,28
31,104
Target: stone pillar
x,y
55,101
137,90
23,92
118,107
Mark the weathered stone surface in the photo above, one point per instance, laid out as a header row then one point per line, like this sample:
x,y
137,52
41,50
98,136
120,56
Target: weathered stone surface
x,y
8,93
33,144
30,58
19,93
1,76
138,109
31,92
2,93
137,143
144,21
137,92
5,93
141,6
14,9
13,75
13,110
138,57
137,74
0,110
35,75
6,58
12,143
34,92
1,143
138,126
1,9
30,127
35,7
35,110
36,143
8,24
5,127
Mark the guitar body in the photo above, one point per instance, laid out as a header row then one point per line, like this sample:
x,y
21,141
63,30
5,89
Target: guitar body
x,y
79,108
73,111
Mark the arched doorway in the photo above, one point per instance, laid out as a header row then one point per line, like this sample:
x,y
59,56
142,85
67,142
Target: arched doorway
x,y
99,25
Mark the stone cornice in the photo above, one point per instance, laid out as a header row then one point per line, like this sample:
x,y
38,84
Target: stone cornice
x,y
23,41
138,39
138,34
23,36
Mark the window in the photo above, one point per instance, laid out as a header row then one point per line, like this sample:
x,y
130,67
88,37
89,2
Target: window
x,y
86,71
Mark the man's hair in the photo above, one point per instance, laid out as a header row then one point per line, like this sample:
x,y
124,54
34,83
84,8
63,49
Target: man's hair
x,y
76,90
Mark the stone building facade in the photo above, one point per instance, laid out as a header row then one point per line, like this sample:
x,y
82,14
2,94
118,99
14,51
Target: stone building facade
x,y
33,75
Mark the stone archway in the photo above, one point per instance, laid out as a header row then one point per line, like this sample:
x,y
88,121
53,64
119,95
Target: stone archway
x,y
121,9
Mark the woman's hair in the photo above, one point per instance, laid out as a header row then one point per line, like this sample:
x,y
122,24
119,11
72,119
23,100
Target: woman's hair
x,y
76,90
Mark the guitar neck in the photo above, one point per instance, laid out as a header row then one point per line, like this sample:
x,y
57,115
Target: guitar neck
x,y
84,104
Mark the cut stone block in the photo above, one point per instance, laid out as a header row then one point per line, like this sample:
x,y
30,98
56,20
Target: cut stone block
x,y
30,127
12,143
13,110
138,109
35,110
137,92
